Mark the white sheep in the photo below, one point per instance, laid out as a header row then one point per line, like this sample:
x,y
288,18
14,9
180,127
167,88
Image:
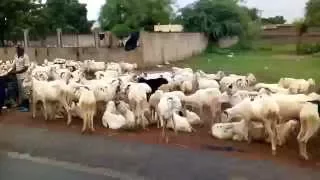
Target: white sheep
x,y
274,88
167,106
233,83
264,109
111,119
309,125
124,109
127,67
114,67
87,106
49,93
193,118
181,123
137,97
210,97
227,131
296,86
218,76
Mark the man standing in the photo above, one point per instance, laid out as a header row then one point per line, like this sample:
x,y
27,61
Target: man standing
x,y
22,63
2,92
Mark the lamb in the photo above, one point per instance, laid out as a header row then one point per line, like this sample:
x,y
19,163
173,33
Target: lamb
x,y
111,119
264,108
167,106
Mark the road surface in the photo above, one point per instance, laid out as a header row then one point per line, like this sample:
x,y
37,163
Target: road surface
x,y
32,153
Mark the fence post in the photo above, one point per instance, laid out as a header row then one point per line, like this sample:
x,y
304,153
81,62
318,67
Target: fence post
x,y
77,39
26,38
59,38
96,38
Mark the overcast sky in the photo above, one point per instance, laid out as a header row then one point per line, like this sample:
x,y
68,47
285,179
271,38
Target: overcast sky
x,y
290,9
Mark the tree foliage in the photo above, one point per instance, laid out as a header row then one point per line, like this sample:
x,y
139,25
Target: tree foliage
x,y
135,15
313,12
273,20
219,19
41,18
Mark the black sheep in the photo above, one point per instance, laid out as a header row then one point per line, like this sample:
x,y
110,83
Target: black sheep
x,y
153,83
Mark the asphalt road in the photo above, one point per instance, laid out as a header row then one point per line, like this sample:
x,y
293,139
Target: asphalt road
x,y
60,155
18,169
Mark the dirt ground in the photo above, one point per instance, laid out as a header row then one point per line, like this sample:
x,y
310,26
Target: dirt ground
x,y
201,140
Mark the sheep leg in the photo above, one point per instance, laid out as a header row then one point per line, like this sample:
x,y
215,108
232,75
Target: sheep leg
x,y
45,110
270,127
84,123
91,122
34,105
312,128
164,133
34,109
174,126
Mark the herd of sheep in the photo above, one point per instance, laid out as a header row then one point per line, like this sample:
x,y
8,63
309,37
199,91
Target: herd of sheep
x,y
175,100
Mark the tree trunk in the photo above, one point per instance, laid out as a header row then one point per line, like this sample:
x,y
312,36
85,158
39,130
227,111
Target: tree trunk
x,y
299,41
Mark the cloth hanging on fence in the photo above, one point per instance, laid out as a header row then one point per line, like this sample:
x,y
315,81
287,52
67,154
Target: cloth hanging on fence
x,y
132,42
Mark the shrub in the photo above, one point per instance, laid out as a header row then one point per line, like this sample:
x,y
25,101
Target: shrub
x,y
308,48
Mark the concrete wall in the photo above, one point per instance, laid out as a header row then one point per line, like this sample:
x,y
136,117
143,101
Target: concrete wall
x,y
99,54
155,48
165,47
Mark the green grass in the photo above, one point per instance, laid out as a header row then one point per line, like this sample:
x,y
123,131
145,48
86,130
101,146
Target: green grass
x,y
268,65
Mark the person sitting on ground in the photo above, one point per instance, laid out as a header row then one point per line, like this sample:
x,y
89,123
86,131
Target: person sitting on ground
x,y
22,63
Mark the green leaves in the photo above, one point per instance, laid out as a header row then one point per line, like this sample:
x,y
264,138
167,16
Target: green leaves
x,y
273,20
133,15
313,12
216,18
41,19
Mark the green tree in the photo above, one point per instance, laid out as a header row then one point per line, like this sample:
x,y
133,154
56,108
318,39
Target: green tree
x,y
70,15
130,15
273,20
13,17
313,12
301,28
219,19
